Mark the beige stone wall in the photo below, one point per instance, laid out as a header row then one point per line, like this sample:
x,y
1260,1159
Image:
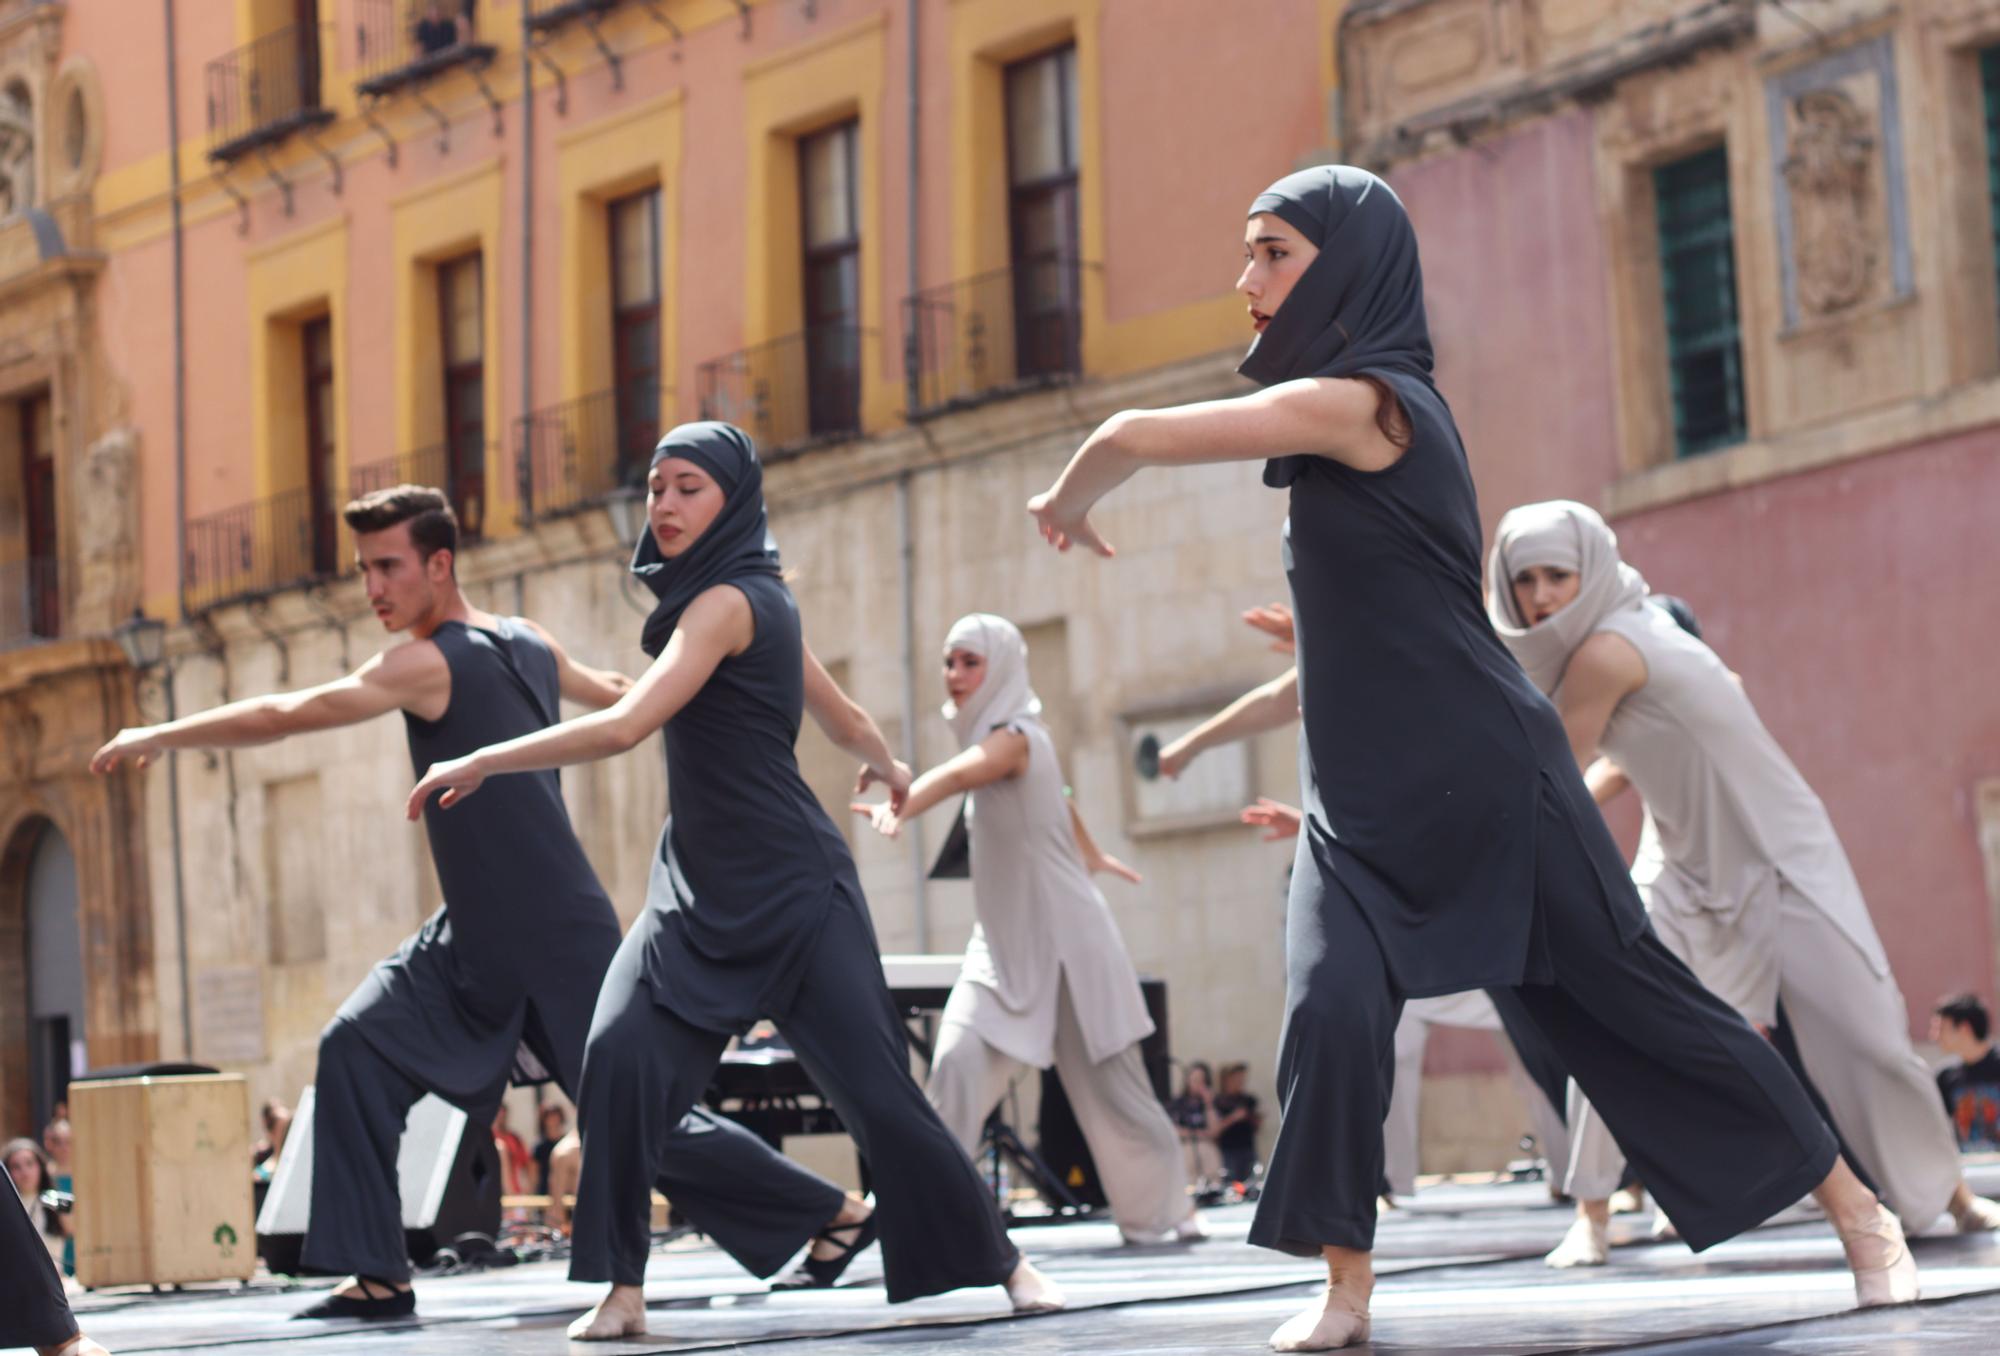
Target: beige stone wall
x,y
1155,629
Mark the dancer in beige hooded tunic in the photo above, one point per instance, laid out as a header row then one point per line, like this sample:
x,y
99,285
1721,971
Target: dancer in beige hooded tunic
x,y
1046,979
1747,882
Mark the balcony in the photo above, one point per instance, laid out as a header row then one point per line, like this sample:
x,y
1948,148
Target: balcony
x,y
792,392
572,455
265,91
988,336
547,15
393,52
260,548
30,602
462,478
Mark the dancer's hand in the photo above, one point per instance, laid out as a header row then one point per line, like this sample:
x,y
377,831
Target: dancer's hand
x,y
1104,863
456,777
1275,621
884,816
137,743
897,781
1064,525
1275,817
1175,757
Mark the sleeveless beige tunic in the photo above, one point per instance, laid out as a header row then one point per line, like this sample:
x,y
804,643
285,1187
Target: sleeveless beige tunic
x,y
1040,921
1731,817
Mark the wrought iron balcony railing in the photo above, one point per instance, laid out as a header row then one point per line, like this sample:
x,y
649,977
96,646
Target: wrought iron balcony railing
x,y
264,91
572,455
30,601
460,472
260,548
789,392
999,332
547,14
398,44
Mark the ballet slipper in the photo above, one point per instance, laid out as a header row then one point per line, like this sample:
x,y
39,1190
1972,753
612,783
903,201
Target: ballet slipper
x,y
1663,1228
618,1314
1327,1326
1192,1230
1585,1245
78,1345
1884,1271
1030,1292
1977,1216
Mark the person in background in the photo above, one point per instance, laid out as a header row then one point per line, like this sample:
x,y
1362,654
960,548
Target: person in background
x,y
517,1165
439,30
57,1141
1193,1115
264,1155
554,1125
28,1167
1236,1121
1962,1027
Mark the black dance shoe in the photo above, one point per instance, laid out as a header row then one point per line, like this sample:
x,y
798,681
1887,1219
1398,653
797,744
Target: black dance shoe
x,y
396,1304
821,1273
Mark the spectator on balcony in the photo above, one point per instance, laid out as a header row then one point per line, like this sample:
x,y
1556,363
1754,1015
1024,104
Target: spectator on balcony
x,y
440,30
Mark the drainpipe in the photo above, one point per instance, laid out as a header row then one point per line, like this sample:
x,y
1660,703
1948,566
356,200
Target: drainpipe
x,y
523,471
180,520
906,553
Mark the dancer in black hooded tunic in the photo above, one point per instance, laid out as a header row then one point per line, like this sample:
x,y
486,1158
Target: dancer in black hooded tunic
x,y
1449,842
34,1312
754,909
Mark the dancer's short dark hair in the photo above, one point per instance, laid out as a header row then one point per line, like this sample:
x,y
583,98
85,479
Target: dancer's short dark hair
x,y
1968,1012
433,526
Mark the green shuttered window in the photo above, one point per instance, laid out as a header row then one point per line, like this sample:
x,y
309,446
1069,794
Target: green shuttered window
x,y
1698,278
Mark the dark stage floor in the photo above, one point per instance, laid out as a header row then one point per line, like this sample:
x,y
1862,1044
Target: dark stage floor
x,y
1460,1274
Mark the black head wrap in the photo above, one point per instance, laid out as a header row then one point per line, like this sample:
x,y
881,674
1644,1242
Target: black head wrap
x,y
737,543
1359,305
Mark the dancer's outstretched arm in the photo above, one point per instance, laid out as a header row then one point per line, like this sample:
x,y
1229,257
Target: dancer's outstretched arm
x,y
854,731
410,677
717,624
1270,706
1315,416
595,688
1002,754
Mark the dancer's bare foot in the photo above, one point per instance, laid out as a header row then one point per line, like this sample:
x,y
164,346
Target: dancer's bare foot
x,y
1628,1200
1973,1214
1884,1271
1588,1242
1340,1317
622,1313
78,1345
1191,1229
1033,1293
1663,1228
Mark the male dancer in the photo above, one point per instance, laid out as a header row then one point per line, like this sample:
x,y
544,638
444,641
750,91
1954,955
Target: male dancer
x,y
513,959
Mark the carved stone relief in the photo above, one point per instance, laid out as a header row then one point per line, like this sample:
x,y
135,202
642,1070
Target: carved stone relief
x,y
17,149
1837,237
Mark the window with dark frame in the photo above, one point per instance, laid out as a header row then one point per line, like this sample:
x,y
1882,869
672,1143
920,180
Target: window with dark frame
x,y
1042,212
1698,289
38,510
831,232
635,330
316,350
1989,83
461,315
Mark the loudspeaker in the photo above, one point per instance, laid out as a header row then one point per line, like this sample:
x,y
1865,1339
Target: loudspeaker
x,y
1061,1143
449,1172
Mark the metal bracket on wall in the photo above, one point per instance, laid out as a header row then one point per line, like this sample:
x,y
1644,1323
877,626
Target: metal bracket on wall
x,y
492,100
380,130
540,53
271,173
811,8
258,611
236,196
332,160
610,57
316,599
743,9
664,20
438,117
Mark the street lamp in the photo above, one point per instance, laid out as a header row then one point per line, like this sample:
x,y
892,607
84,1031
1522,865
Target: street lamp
x,y
144,641
626,508
142,638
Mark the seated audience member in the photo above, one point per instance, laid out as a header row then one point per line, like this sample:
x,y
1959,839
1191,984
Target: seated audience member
x,y
29,1169
1962,1027
1236,1121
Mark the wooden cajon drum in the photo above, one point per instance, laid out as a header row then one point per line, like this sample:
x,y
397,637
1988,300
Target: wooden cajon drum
x,y
162,1175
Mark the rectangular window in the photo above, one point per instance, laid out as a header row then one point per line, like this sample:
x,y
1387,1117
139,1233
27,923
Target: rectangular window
x,y
38,511
635,330
316,349
461,324
1698,282
1042,214
828,188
